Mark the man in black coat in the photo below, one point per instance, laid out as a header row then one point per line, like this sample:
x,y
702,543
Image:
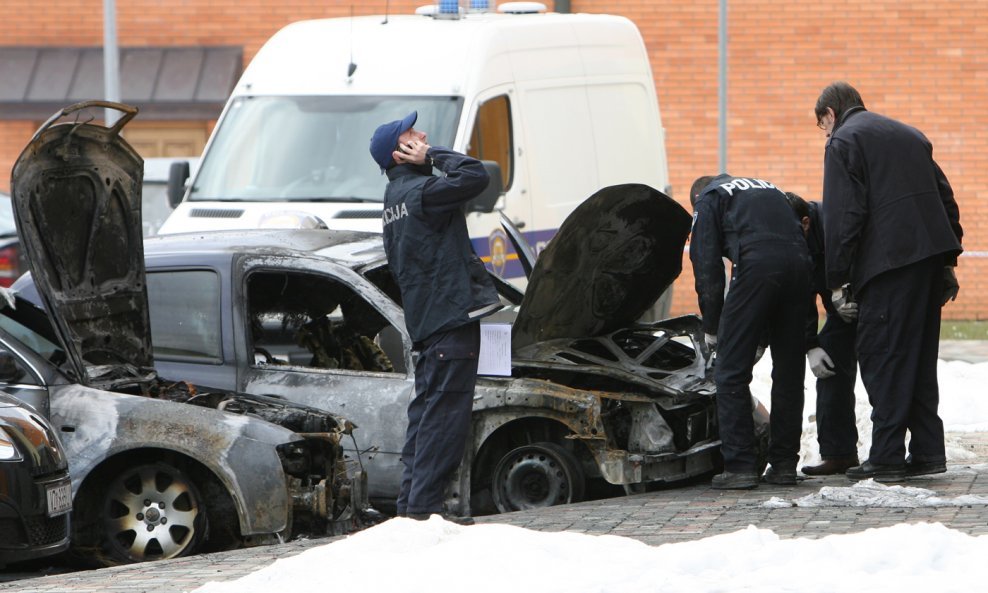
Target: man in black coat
x,y
445,291
893,235
749,221
830,354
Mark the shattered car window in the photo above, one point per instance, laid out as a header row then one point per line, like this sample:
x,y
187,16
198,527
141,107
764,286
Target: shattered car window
x,y
186,323
310,320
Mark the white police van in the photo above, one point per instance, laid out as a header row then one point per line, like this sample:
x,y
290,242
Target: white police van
x,y
564,104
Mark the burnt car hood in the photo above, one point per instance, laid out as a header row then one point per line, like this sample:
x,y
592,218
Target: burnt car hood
x,y
76,191
612,258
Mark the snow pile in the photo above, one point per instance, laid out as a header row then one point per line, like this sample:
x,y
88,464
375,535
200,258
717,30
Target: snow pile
x,y
963,406
435,556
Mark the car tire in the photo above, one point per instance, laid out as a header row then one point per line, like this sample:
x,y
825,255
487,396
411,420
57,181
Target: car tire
x,y
149,511
536,476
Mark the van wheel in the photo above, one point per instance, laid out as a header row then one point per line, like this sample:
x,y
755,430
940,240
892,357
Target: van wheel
x,y
150,512
536,476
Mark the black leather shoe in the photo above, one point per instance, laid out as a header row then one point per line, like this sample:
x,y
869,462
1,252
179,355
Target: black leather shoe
x,y
830,467
450,518
781,474
735,481
924,468
881,472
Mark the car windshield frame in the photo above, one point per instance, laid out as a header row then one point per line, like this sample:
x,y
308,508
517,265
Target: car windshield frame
x,y
310,148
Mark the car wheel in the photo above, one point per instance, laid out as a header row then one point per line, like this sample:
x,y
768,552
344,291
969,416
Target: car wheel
x,y
151,512
536,476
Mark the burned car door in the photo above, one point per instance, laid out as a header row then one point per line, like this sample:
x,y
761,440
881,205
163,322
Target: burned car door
x,y
323,336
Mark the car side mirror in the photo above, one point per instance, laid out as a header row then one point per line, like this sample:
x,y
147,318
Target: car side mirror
x,y
487,199
178,175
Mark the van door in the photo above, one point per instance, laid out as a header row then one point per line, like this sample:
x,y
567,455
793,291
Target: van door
x,y
494,137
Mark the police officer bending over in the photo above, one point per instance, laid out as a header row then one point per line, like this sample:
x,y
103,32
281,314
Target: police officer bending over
x,y
749,221
445,290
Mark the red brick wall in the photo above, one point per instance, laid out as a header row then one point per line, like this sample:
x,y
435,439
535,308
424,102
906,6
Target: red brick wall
x,y
924,62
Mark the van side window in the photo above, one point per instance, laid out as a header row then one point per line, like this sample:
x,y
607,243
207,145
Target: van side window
x,y
491,137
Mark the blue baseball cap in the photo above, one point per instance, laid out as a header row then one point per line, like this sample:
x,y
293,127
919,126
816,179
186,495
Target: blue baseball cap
x,y
385,138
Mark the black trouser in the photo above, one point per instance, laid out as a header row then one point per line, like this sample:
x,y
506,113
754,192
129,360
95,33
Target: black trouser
x,y
438,417
898,342
835,421
768,295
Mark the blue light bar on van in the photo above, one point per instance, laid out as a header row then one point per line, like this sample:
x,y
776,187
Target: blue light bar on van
x,y
449,6
479,6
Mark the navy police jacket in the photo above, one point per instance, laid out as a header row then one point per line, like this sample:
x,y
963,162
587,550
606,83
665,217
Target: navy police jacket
x,y
886,203
443,283
818,278
735,216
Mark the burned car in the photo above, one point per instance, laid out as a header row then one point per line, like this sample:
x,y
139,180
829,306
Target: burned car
x,y
35,492
593,399
159,468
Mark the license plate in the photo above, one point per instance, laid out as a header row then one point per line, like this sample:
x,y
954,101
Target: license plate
x,y
59,498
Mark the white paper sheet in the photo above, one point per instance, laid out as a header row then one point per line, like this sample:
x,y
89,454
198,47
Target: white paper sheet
x,y
495,349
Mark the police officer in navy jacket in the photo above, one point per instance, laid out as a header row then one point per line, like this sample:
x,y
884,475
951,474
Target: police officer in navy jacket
x,y
893,235
445,291
749,221
831,357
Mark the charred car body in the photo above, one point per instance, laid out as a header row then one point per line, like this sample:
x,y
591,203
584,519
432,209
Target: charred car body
x,y
152,476
314,316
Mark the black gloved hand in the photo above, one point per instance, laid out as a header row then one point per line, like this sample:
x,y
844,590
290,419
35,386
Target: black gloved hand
x,y
950,285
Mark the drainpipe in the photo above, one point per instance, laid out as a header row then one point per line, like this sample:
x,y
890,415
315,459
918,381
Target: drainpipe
x,y
111,60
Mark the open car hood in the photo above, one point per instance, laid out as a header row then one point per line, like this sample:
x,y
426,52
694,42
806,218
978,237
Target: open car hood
x,y
76,190
612,258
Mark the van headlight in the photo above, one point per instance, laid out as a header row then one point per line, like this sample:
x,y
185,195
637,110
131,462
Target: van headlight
x,y
8,451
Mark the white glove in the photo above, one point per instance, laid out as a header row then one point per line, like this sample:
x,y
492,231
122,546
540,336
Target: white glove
x,y
846,307
820,363
711,340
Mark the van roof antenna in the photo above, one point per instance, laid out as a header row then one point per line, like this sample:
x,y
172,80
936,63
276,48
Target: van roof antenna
x,y
387,9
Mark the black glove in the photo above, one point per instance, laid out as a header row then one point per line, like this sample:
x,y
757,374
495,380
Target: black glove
x,y
950,285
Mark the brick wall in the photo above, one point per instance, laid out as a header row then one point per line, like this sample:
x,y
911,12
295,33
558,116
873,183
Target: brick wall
x,y
924,62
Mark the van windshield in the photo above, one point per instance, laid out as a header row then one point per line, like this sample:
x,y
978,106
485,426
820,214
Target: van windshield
x,y
310,148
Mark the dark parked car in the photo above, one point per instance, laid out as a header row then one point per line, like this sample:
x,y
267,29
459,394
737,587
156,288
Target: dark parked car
x,y
35,491
159,467
593,397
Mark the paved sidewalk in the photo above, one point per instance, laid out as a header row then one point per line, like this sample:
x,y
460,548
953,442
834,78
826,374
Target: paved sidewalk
x,y
656,518
674,515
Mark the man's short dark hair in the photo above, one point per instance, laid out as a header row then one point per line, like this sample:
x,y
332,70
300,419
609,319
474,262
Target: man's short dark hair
x,y
839,96
798,205
698,185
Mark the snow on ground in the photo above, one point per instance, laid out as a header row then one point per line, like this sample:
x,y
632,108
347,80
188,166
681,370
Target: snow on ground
x,y
963,406
436,556
869,493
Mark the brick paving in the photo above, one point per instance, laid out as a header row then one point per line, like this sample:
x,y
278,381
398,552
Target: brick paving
x,y
667,516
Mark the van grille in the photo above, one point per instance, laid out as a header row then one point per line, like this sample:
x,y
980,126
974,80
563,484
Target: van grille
x,y
215,213
358,214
